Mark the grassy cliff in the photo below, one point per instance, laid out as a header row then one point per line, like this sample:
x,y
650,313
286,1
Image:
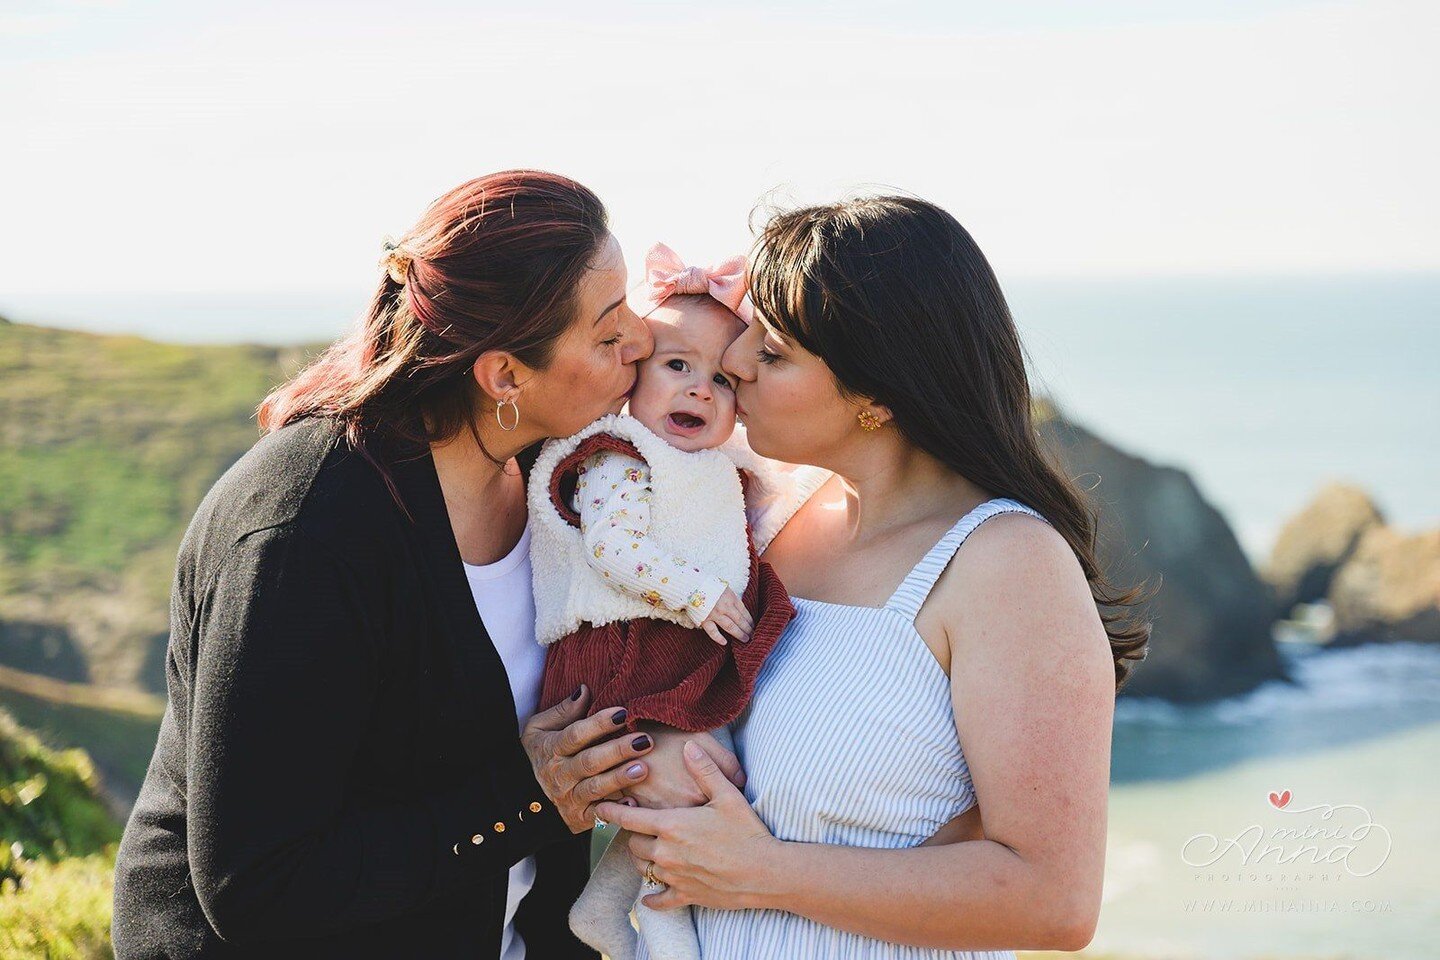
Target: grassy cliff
x,y
107,445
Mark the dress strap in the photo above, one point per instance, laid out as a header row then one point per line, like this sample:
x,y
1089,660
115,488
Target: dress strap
x,y
910,595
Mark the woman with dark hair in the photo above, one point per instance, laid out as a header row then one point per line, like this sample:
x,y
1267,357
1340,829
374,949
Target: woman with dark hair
x,y
348,765
885,352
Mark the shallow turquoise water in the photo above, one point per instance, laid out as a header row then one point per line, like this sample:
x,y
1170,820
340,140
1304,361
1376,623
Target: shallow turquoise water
x,y
1360,728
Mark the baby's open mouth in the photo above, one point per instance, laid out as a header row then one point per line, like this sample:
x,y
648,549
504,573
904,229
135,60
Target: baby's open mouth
x,y
686,423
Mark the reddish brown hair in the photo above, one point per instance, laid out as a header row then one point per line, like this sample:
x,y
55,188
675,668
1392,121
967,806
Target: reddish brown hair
x,y
493,264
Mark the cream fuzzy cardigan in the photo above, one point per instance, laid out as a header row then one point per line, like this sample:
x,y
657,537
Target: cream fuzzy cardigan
x,y
697,510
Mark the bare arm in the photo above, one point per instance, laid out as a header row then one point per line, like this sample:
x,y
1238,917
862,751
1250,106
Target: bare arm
x,y
1034,698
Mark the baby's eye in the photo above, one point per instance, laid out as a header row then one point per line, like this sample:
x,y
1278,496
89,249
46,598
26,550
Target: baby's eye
x,y
677,365
723,381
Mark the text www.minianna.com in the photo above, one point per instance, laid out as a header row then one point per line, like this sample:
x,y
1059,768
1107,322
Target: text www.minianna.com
x,y
1274,905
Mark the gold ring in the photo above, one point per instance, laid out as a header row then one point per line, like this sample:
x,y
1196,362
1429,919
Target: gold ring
x,y
650,875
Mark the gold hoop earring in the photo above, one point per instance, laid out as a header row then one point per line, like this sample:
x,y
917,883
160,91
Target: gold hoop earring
x,y
869,421
500,405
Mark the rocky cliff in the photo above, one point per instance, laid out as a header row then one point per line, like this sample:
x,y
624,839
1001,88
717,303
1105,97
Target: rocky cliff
x,y
1211,613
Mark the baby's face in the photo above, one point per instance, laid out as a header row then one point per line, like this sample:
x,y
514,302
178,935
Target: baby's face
x,y
681,393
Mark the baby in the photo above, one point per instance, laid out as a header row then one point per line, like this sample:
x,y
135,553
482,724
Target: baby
x,y
647,568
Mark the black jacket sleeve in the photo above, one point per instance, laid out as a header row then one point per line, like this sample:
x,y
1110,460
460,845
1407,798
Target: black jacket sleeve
x,y
286,643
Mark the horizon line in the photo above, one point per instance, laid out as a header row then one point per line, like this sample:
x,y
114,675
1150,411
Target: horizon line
x,y
1317,273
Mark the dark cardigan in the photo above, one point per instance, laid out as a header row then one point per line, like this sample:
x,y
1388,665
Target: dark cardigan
x,y
338,772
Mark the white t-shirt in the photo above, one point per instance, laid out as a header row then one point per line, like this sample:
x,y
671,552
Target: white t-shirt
x,y
504,596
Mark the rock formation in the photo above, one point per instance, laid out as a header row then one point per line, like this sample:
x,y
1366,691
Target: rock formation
x,y
1389,589
1211,613
1316,542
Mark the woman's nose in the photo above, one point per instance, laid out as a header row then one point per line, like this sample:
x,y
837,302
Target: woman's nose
x,y
739,359
639,342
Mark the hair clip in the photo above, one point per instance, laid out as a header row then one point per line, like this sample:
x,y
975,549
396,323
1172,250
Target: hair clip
x,y
395,261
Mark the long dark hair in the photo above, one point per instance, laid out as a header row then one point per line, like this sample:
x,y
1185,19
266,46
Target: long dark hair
x,y
897,299
493,264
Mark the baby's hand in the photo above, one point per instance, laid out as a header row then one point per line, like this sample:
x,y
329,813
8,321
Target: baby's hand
x,y
729,615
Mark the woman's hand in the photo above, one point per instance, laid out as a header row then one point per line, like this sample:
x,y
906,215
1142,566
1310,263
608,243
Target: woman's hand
x,y
574,767
713,855
670,784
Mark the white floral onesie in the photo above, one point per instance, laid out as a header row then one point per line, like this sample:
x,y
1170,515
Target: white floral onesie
x,y
612,497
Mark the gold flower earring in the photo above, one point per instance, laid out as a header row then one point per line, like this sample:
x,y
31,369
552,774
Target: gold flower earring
x,y
869,421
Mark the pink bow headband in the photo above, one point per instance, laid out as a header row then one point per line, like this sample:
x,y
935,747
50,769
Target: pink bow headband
x,y
666,275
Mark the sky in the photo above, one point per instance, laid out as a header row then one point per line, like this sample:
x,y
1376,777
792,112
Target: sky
x,y
270,147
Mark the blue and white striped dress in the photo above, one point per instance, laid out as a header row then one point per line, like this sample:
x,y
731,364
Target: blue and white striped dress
x,y
850,739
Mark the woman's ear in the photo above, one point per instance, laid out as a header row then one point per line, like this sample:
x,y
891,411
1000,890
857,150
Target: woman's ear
x,y
881,413
499,375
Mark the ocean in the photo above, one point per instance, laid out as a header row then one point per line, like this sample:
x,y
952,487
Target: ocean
x,y
1202,863
1262,388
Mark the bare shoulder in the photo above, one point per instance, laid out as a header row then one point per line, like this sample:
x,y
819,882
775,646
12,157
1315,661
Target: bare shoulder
x,y
1016,545
1015,587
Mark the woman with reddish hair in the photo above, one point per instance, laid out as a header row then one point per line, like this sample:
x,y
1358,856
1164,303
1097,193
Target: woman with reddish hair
x,y
349,765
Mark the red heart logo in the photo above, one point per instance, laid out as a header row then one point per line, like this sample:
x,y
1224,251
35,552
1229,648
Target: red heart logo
x,y
1278,800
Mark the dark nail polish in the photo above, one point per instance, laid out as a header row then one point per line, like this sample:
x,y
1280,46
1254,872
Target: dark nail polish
x,y
620,717
641,742
578,690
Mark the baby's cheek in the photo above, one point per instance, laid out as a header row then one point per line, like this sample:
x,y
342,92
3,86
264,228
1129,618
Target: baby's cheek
x,y
724,421
645,406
